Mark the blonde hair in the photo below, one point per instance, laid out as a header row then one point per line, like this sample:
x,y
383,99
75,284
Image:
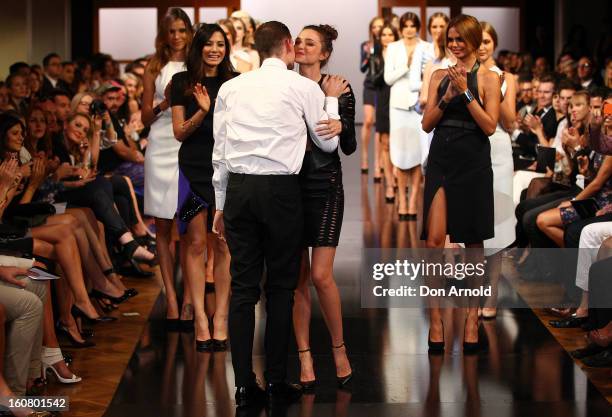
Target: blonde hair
x,y
76,100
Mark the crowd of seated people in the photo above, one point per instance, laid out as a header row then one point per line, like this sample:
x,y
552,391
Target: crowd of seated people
x,y
71,179
564,200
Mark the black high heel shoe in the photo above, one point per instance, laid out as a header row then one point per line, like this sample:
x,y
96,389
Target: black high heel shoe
x,y
114,300
220,345
407,217
343,381
436,347
307,385
204,345
130,248
78,313
63,330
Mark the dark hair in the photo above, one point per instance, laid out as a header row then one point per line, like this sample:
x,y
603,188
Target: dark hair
x,y
7,121
392,28
269,38
525,78
194,58
565,84
599,92
468,28
129,68
57,92
162,49
10,78
65,63
328,35
48,58
410,17
17,66
547,78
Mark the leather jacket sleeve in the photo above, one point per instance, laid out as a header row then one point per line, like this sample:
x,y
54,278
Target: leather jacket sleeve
x,y
346,104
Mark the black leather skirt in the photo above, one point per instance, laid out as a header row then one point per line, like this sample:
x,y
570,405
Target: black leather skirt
x,y
323,203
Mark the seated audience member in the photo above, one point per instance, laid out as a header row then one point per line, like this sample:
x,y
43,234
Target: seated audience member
x,y
17,85
566,67
61,99
124,157
544,113
68,76
34,85
4,97
540,67
586,74
20,68
525,96
52,79
133,86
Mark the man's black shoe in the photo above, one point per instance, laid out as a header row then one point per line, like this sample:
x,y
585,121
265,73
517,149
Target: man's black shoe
x,y
250,396
601,360
283,393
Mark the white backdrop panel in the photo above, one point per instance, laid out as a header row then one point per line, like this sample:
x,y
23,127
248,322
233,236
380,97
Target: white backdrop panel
x,y
127,33
505,20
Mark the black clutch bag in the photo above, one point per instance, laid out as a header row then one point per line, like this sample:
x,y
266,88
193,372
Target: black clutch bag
x,y
30,214
11,231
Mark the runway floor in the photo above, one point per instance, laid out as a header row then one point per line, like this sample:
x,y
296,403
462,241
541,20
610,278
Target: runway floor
x,y
524,370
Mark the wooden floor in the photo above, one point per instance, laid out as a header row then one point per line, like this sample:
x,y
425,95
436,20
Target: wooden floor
x,y
103,366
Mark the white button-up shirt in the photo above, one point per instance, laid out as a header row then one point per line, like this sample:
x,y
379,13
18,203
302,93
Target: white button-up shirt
x,y
261,121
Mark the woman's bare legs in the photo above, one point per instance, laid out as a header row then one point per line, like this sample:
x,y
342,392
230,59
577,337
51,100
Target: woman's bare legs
x,y
193,247
163,237
415,175
90,263
66,252
64,295
436,238
387,165
550,223
140,228
402,182
321,274
366,131
222,286
301,319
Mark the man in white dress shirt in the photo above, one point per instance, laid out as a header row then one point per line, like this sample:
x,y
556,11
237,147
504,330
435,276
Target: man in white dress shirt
x,y
260,128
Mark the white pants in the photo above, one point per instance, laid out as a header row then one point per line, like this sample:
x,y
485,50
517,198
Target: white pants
x,y
591,239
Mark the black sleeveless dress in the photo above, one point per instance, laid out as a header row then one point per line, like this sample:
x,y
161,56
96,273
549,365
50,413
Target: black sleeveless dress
x,y
460,162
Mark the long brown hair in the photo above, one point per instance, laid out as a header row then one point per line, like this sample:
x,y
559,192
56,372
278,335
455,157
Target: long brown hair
x,y
468,28
44,144
162,49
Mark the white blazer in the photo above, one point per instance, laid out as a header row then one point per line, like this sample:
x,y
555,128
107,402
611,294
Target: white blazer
x,y
406,82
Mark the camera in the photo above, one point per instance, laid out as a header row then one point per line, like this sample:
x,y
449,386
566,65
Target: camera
x,y
97,108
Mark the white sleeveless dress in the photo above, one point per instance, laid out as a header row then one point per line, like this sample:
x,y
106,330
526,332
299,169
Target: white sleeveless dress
x,y
161,157
503,170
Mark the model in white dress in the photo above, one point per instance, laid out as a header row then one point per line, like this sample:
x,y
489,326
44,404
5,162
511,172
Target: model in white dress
x,y
161,158
503,169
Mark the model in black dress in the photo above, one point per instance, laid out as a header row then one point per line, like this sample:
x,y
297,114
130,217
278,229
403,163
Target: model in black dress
x,y
369,98
193,100
463,107
323,204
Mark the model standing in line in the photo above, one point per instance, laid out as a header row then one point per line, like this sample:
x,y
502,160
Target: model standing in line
x,y
503,169
403,69
161,158
463,107
368,49
323,204
193,101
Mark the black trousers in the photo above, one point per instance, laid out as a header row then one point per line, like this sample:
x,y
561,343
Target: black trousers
x,y
263,224
98,196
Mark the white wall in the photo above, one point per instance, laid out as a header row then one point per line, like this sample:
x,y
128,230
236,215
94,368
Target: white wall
x,y
349,17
